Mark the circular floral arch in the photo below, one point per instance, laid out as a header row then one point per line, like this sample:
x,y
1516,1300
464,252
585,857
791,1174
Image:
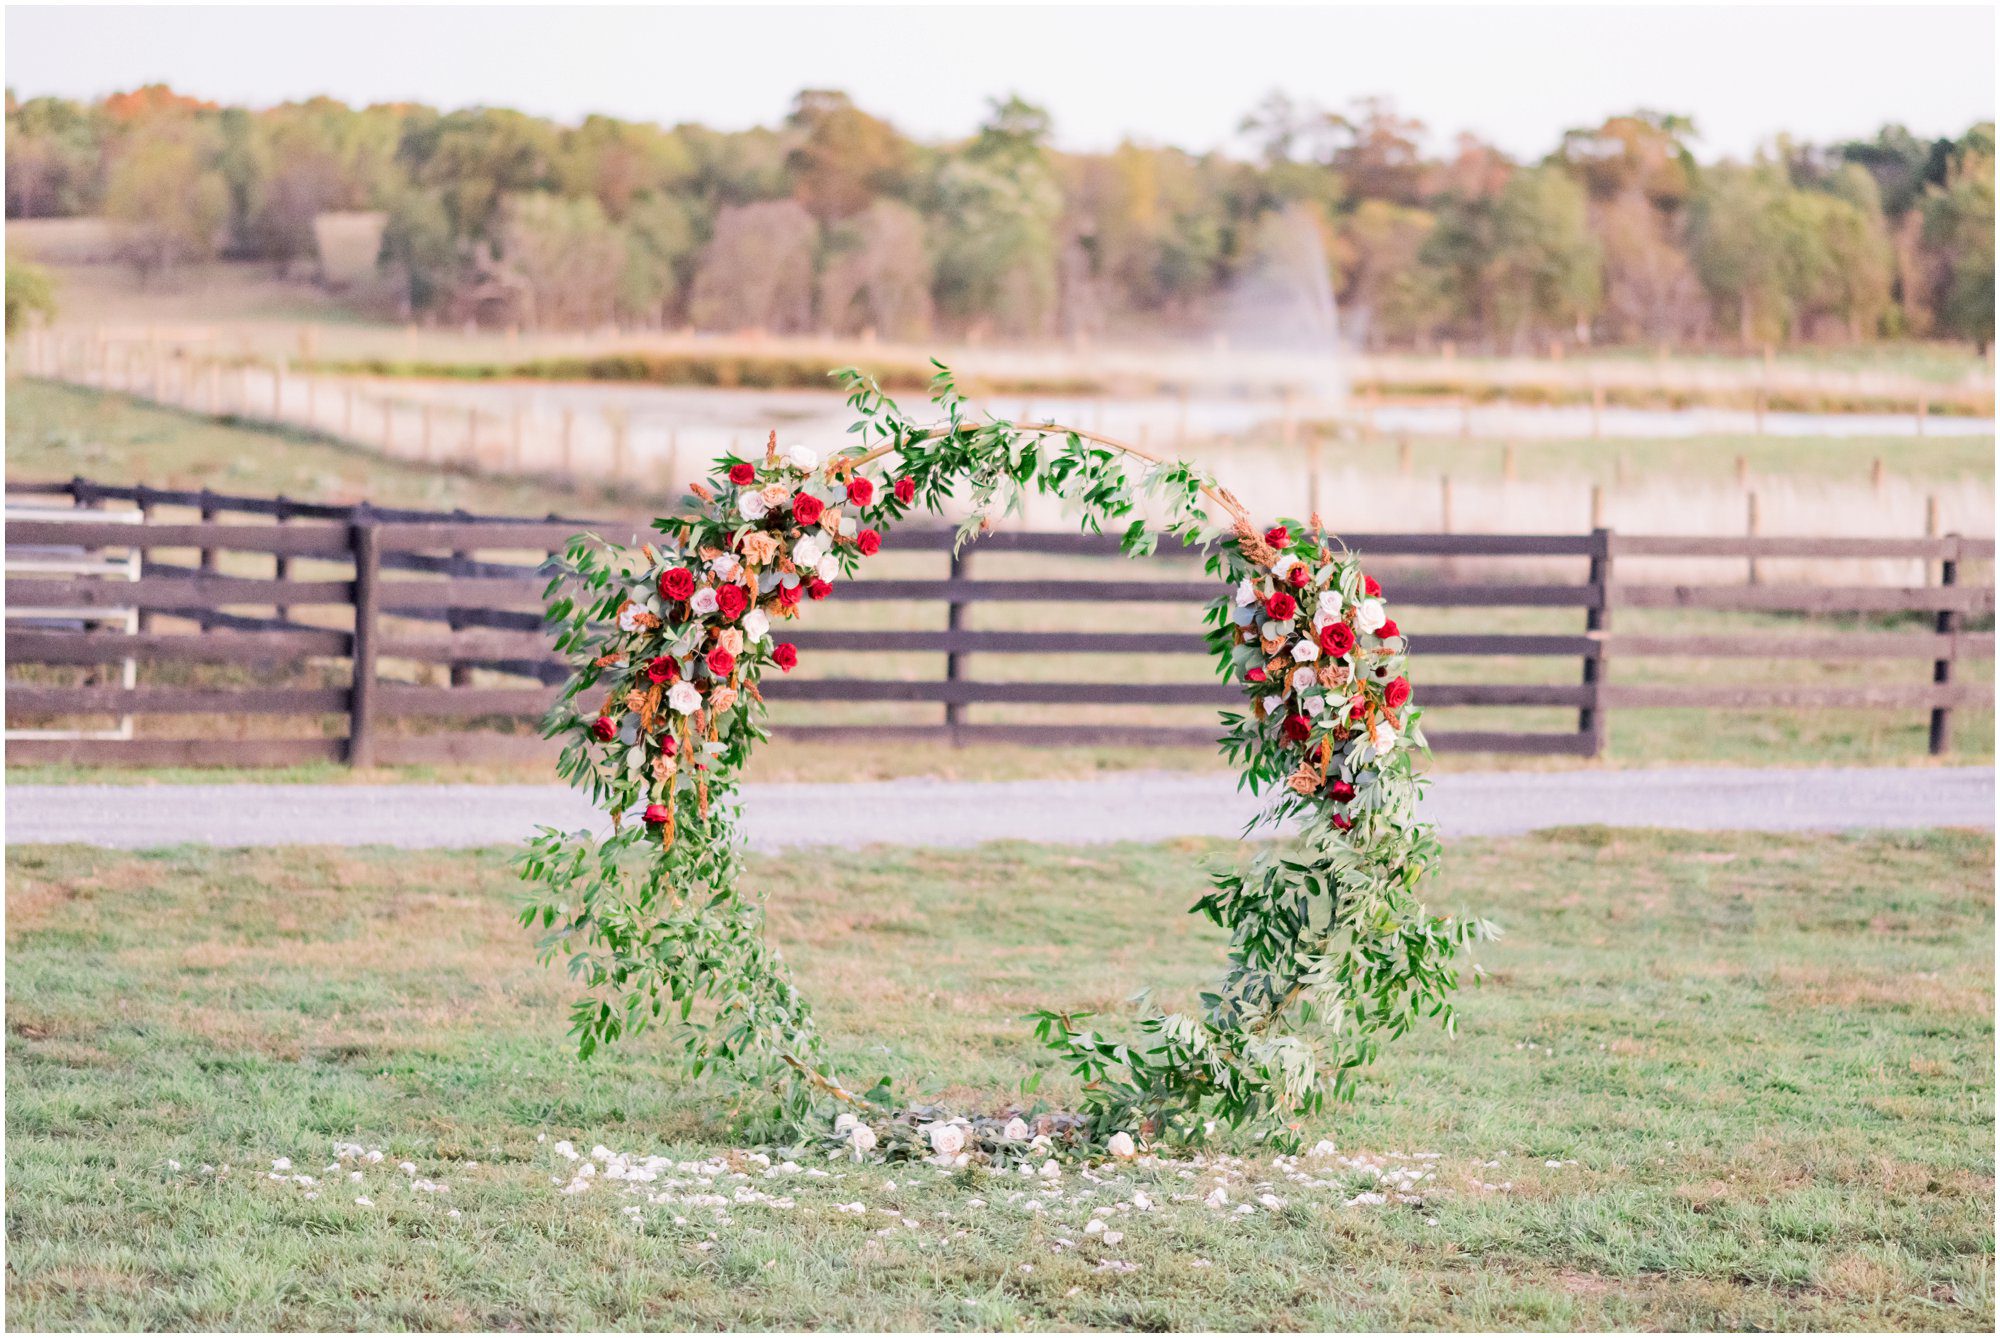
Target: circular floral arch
x,y
1331,950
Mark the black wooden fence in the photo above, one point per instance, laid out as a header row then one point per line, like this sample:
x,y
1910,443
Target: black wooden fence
x,y
354,587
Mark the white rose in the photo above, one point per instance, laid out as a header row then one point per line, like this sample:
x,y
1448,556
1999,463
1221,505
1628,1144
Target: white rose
x,y
1383,737
1121,1145
756,625
753,506
1016,1130
947,1140
726,566
827,567
1304,680
628,618
1313,705
684,697
1328,611
1369,615
809,550
703,601
846,1120
1305,652
1246,591
802,457
1283,563
863,1139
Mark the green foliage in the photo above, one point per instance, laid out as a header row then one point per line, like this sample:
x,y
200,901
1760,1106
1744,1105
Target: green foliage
x,y
30,293
1332,949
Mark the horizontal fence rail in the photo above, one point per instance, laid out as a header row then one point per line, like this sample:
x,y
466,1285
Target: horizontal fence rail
x,y
360,601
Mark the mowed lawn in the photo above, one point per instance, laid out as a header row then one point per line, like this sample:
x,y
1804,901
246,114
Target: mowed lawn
x,y
1727,1081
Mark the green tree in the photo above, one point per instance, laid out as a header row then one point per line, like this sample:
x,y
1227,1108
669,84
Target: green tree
x,y
1958,228
30,293
1545,271
165,190
567,255
1000,203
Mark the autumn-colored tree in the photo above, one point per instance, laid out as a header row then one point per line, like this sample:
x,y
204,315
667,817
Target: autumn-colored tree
x,y
844,159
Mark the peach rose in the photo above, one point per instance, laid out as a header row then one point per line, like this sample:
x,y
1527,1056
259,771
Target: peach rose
x,y
731,640
759,548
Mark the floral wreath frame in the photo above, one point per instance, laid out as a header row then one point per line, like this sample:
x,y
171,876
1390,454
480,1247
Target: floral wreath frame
x,y
1331,950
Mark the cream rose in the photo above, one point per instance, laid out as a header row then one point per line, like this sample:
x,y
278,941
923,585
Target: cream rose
x,y
756,624
1121,1145
1369,615
802,457
947,1140
684,697
1383,737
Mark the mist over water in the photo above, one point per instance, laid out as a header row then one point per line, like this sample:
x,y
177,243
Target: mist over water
x,y
1281,319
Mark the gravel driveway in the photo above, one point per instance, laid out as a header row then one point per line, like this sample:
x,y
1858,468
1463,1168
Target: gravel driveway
x,y
1136,806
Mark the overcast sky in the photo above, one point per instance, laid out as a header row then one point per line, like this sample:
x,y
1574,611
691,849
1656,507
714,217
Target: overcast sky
x,y
1518,76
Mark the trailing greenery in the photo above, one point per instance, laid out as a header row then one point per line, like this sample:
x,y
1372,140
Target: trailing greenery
x,y
1332,948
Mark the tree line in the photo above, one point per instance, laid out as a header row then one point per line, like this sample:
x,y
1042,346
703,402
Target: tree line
x,y
835,221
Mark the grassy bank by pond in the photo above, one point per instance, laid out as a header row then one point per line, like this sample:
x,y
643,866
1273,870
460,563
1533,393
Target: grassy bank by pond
x,y
1720,1081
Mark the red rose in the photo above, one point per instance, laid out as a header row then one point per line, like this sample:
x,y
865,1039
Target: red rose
x,y
1341,791
669,743
860,492
659,814
820,587
605,728
785,655
720,662
1297,727
1396,693
1373,587
661,669
1343,822
743,474
677,583
906,491
731,601
1281,606
869,542
1257,675
1336,639
1298,575
788,596
1278,536
1388,629
807,508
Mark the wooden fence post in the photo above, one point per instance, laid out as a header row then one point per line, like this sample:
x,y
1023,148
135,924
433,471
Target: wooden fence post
x,y
210,508
461,566
1947,625
1752,526
1591,721
282,567
954,620
364,540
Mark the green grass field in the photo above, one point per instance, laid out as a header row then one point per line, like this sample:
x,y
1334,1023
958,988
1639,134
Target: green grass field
x,y
1726,1082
